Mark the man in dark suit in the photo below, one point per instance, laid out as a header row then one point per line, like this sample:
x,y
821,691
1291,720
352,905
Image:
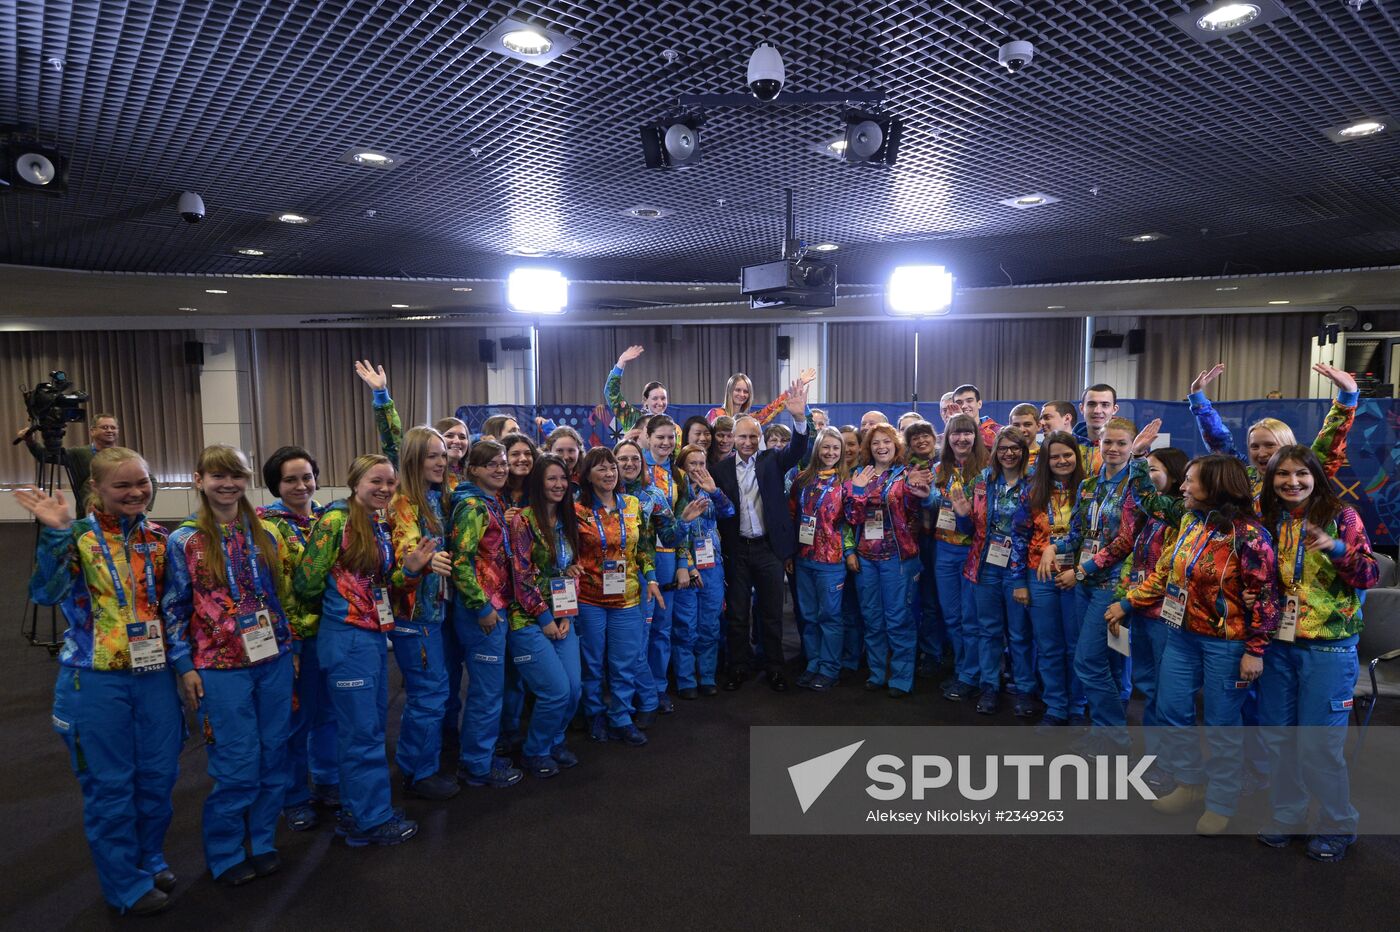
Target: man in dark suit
x,y
758,539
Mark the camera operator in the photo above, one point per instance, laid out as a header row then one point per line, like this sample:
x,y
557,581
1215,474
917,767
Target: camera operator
x,y
103,432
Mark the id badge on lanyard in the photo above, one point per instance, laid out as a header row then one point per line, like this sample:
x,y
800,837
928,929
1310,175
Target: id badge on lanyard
x,y
875,525
947,520
999,551
705,554
147,647
1288,618
259,638
382,608
563,596
1174,605
806,532
614,578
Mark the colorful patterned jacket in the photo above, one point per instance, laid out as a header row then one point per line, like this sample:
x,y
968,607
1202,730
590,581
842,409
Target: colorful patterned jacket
x,y
481,557
294,530
901,506
825,499
625,415
994,509
532,567
659,524
341,594
386,420
1034,530
426,602
1111,499
660,479
940,500
707,525
70,571
1330,444
1162,514
1223,567
636,562
764,415
1332,583
202,616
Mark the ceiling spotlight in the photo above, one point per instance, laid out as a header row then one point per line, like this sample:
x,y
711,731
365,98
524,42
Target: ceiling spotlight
x,y
1054,307
293,218
871,138
215,291
824,247
30,166
464,288
400,307
1226,17
1280,302
187,309
672,142
371,158
1228,288
537,291
919,291
1029,200
1358,129
526,42
249,251
648,213
837,145
1145,237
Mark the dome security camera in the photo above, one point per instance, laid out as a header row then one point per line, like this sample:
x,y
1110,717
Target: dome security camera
x,y
191,207
1016,55
766,77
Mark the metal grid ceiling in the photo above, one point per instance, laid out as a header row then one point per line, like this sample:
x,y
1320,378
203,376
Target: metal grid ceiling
x,y
1216,145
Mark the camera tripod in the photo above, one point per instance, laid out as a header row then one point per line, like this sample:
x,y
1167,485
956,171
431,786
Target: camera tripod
x,y
51,466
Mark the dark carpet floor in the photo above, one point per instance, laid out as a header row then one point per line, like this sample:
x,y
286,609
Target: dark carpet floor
x,y
655,837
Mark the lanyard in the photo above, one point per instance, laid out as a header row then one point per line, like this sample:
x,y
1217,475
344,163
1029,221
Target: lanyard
x,y
151,597
603,533
821,496
1109,499
890,479
998,513
1200,550
1061,503
563,556
1302,551
252,565
493,508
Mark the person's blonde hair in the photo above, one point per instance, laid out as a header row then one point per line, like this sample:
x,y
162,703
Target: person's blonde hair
x,y
1121,423
412,485
729,394
361,553
220,457
1281,431
104,463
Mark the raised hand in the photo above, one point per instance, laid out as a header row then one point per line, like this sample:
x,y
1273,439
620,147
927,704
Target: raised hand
x,y
1318,539
797,400
864,476
371,375
49,510
703,479
1206,377
1143,441
420,556
807,376
694,509
629,354
960,501
1338,377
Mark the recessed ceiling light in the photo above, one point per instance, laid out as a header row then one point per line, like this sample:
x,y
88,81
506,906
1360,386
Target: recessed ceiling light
x,y
370,158
215,291
293,218
1228,16
1054,307
1034,199
648,212
461,289
812,313
524,41
825,247
1228,288
400,307
251,252
187,309
528,251
697,288
1144,237
1280,302
1357,129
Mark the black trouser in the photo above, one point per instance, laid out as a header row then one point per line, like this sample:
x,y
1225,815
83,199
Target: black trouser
x,y
754,567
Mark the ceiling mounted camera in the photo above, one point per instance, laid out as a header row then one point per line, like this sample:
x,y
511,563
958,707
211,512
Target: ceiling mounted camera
x,y
1016,55
191,207
766,77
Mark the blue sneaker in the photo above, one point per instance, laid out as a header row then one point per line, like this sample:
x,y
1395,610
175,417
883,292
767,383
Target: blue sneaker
x,y
393,832
345,821
821,684
543,766
564,757
326,794
598,728
301,817
1329,847
498,777
1276,836
959,691
627,733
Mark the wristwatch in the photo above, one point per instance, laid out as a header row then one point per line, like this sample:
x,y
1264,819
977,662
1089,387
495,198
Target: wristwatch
x,y
1079,573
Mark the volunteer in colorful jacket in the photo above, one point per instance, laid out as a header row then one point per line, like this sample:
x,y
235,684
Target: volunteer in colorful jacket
x,y
615,567
1219,589
386,419
883,504
995,566
115,703
625,416
921,441
417,516
1042,532
1267,435
481,567
738,399
697,624
1103,531
1325,566
673,567
826,552
227,577
293,474
544,604
961,461
350,569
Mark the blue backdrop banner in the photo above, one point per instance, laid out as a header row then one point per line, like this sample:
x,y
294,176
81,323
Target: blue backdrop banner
x,y
1368,482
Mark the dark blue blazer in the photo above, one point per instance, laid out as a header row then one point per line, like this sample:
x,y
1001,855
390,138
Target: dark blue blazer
x,y
777,519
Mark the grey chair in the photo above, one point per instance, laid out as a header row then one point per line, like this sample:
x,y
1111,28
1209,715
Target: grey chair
x,y
1378,645
1388,575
